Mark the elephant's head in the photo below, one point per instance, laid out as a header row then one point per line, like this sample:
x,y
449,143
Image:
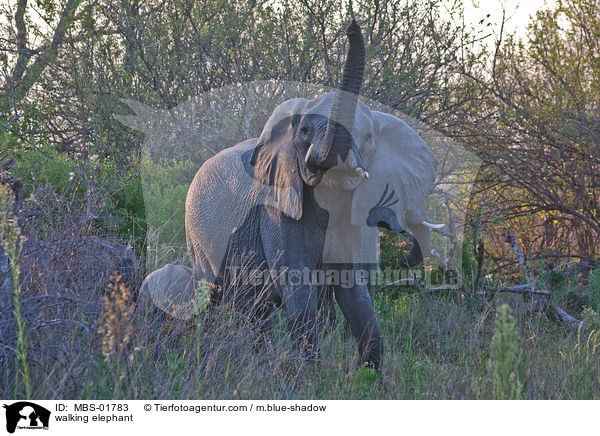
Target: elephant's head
x,y
300,142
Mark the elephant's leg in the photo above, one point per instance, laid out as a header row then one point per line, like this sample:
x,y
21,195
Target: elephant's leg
x,y
241,281
243,266
260,317
326,307
300,304
201,267
357,308
296,247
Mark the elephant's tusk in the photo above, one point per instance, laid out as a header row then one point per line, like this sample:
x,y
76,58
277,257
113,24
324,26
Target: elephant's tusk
x,y
309,155
433,226
361,172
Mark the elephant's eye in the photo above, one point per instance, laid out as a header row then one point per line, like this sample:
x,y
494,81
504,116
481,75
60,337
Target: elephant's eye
x,y
304,130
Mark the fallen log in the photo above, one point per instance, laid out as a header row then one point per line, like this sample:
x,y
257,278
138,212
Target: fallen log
x,y
563,319
406,282
520,289
554,313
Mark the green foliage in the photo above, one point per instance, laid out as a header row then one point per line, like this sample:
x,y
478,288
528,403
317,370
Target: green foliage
x,y
554,280
592,318
557,282
469,263
7,139
100,386
46,166
201,300
413,372
127,204
165,187
365,381
506,364
391,247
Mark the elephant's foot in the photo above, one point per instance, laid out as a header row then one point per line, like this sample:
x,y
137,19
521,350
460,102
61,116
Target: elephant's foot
x,y
371,357
375,366
216,292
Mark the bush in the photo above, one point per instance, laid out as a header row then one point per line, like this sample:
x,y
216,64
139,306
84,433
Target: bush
x,y
506,357
51,179
391,247
129,210
165,187
45,166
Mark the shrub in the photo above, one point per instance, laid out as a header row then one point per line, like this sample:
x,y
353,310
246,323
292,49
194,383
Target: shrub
x,y
128,208
165,188
45,166
506,357
50,178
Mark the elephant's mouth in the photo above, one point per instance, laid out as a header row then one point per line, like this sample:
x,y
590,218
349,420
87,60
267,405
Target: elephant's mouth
x,y
346,178
347,174
312,177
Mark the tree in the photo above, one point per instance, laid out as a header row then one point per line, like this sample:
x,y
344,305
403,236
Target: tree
x,y
26,64
541,140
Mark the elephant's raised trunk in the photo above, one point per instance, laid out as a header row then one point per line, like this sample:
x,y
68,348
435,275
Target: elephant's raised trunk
x,y
337,141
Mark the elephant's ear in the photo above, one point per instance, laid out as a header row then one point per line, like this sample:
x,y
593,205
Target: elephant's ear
x,y
274,160
401,174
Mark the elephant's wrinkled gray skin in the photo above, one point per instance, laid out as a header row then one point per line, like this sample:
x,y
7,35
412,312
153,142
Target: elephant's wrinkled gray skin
x,y
310,193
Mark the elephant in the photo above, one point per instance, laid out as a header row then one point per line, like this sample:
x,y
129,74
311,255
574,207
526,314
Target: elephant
x,y
311,194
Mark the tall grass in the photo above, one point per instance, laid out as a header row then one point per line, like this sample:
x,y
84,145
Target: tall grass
x,y
99,339
11,242
582,362
434,348
506,357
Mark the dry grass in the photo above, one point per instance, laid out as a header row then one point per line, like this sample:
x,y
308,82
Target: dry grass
x,y
435,348
89,336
